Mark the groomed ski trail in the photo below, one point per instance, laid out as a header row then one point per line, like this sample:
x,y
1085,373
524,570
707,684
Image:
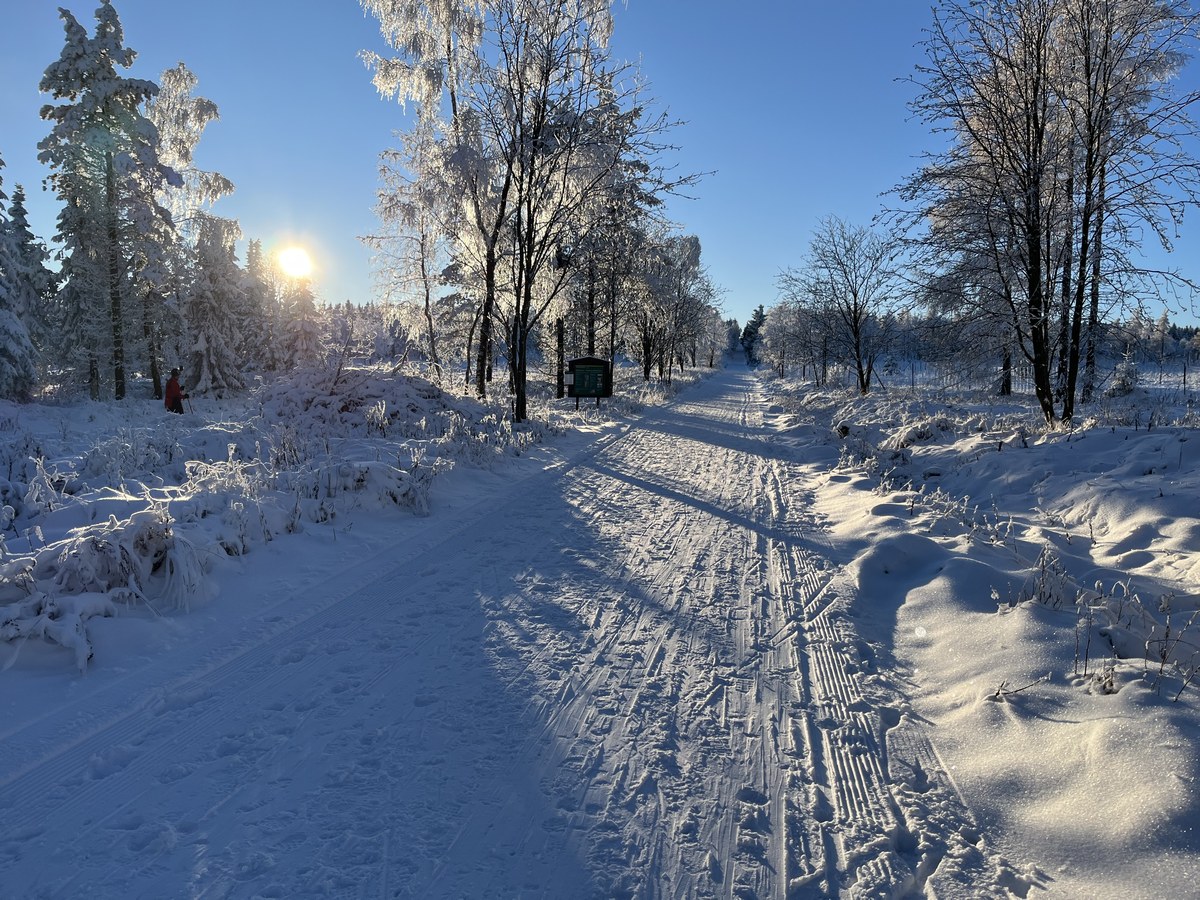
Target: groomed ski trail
x,y
635,676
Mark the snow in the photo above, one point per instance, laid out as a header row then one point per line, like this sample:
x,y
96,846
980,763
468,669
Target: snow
x,y
758,640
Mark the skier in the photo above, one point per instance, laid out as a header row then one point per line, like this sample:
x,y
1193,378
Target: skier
x,y
175,395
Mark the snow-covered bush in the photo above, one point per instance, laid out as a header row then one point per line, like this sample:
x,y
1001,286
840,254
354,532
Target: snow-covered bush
x,y
1125,378
51,593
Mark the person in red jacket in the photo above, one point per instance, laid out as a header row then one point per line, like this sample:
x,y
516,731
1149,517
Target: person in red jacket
x,y
175,395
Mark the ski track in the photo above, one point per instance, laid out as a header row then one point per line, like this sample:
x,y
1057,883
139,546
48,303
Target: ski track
x,y
645,683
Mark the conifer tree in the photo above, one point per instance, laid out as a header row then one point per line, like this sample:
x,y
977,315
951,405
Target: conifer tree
x,y
751,334
103,154
258,314
35,284
180,118
210,309
302,328
17,369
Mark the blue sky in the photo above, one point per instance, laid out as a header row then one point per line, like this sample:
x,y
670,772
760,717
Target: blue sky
x,y
797,107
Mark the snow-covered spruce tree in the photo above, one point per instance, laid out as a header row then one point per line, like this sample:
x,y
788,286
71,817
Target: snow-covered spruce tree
x,y
752,335
106,171
36,283
181,118
18,371
260,324
302,326
212,298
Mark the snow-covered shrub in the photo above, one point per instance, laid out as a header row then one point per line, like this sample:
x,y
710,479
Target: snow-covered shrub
x,y
242,503
52,592
918,432
17,453
43,493
377,418
1125,378
152,455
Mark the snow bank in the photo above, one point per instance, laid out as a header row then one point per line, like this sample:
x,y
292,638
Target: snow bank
x,y
110,506
1038,590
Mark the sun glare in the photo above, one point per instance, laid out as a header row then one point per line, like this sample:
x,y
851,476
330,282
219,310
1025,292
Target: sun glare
x,y
295,262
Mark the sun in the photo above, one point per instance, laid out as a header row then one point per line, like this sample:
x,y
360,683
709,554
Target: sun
x,y
295,262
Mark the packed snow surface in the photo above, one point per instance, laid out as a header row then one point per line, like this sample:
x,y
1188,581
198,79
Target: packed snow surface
x,y
741,644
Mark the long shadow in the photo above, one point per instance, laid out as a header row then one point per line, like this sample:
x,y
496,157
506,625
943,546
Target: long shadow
x,y
707,507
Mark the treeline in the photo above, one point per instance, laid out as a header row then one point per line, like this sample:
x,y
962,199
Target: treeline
x,y
531,181
529,189
798,340
1018,244
147,276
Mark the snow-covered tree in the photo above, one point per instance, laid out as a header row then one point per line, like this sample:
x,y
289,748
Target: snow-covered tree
x,y
180,118
103,153
752,335
260,321
790,338
36,284
18,371
849,280
302,326
416,215
522,103
1069,140
211,307
668,303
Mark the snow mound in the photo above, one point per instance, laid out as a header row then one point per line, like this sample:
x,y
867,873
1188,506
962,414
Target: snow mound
x,y
111,507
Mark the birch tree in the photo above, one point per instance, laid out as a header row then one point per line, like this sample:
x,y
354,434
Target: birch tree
x,y
849,279
521,101
1065,135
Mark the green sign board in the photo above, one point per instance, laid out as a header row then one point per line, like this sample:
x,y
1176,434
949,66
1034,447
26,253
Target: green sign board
x,y
589,377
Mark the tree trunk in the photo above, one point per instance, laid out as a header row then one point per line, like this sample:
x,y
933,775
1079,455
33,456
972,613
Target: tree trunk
x,y
612,308
560,358
470,343
591,308
93,377
482,366
1064,346
647,352
152,349
114,279
1093,325
425,284
1039,319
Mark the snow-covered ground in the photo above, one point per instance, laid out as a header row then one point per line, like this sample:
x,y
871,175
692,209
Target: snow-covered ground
x,y
755,642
